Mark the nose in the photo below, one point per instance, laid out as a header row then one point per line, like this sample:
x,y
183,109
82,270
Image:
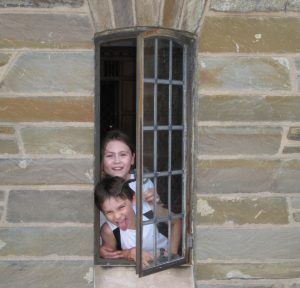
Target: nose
x,y
117,216
116,159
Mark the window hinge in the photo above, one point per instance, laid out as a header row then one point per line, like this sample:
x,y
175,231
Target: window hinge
x,y
190,241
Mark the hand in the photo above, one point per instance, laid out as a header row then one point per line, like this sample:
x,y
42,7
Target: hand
x,y
149,196
110,253
146,257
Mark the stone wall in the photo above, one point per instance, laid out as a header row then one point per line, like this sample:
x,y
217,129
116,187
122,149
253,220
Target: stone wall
x,y
46,144
246,139
247,143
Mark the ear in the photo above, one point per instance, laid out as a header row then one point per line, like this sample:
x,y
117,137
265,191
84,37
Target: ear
x,y
134,199
132,159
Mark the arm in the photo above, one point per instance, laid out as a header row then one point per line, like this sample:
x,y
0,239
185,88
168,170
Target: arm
x,y
108,248
176,228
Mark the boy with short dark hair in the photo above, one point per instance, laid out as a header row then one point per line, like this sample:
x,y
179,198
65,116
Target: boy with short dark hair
x,y
114,198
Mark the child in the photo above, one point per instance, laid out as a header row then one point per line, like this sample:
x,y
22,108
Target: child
x,y
117,159
114,198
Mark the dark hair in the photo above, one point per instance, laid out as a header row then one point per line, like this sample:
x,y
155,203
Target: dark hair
x,y
119,136
115,187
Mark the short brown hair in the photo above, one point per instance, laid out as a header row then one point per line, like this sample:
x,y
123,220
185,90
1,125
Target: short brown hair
x,y
112,187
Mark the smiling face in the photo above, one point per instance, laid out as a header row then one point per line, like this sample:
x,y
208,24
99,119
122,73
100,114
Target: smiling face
x,y
119,212
117,159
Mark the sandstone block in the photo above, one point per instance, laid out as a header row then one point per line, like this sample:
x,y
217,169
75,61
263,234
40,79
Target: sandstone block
x,y
268,210
293,5
248,108
101,14
248,6
46,171
43,72
41,241
295,202
277,285
45,31
238,140
291,149
36,274
50,206
123,13
247,176
1,195
8,146
227,271
192,15
171,13
61,109
296,216
4,58
250,34
6,130
147,12
294,133
244,73
41,3
252,244
58,140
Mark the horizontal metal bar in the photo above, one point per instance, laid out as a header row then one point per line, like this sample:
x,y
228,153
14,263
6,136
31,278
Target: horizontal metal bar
x,y
163,128
163,173
162,81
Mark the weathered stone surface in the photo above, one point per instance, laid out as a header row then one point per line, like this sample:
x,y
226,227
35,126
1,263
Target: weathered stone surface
x,y
295,201
62,109
293,5
4,58
8,146
40,241
171,13
296,216
238,140
192,15
247,271
45,31
1,195
294,133
248,6
101,14
58,140
249,108
50,206
277,285
50,274
6,130
113,277
269,210
46,171
244,73
147,12
253,244
295,285
43,72
1,211
291,149
123,13
297,62
247,176
250,34
41,3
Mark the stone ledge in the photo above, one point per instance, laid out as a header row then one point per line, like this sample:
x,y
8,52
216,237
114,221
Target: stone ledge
x,y
116,277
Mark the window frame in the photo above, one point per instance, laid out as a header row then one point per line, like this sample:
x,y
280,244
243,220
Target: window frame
x,y
139,34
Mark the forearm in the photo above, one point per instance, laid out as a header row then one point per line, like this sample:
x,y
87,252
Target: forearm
x,y
176,236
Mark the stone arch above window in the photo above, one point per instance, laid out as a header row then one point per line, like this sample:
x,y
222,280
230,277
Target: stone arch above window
x,y
183,15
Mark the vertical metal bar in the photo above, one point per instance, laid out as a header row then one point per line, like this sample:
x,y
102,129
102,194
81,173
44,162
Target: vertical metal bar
x,y
139,151
184,139
155,135
170,145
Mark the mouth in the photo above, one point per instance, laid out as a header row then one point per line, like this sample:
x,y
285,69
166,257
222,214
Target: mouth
x,y
123,225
